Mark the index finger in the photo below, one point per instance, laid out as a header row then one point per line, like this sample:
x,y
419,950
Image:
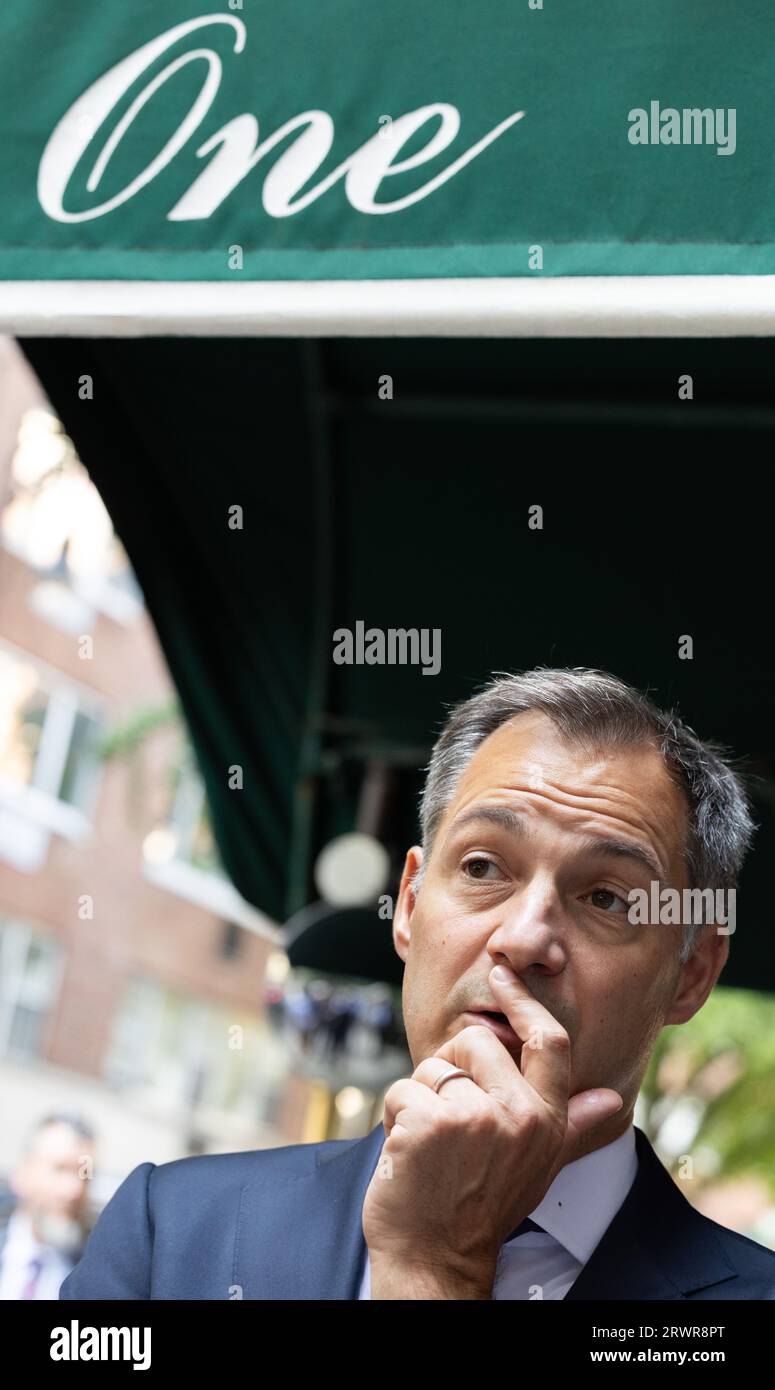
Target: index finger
x,y
546,1053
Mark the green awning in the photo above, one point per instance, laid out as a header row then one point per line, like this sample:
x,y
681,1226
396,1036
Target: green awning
x,y
346,168
413,513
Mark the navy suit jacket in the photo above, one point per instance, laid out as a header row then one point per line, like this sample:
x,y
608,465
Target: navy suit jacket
x,y
286,1224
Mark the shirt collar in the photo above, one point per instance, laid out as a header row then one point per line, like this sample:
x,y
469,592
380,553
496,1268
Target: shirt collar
x,y
585,1196
20,1237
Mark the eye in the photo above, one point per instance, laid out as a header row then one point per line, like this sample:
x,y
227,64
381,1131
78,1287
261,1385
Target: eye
x,y
478,868
606,900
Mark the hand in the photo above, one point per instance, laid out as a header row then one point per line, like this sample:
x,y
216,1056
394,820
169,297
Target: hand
x,y
461,1168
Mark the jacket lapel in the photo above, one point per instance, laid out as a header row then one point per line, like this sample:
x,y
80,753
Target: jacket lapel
x,y
657,1246
301,1237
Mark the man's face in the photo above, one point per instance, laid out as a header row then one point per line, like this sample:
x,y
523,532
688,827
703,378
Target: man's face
x,y
50,1185
544,889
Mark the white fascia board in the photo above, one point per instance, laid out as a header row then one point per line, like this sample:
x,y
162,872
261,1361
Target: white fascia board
x,y
214,894
655,306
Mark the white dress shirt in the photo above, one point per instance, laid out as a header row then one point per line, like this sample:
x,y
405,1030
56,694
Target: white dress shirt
x,y
575,1212
21,1246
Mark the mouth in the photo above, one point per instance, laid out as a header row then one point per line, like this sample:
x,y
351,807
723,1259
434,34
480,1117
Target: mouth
x,y
500,1027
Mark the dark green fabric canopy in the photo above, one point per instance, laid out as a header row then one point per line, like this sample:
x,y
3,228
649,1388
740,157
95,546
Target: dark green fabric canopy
x,y
413,512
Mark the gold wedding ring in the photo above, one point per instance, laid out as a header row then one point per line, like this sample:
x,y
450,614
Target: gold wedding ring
x,y
448,1075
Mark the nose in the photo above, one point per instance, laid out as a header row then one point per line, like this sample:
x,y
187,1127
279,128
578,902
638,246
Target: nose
x,y
530,933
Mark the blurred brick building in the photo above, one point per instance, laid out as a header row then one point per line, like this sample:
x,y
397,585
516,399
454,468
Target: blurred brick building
x,y
132,975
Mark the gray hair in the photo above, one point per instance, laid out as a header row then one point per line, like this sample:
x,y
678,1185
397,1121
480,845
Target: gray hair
x,y
598,711
68,1118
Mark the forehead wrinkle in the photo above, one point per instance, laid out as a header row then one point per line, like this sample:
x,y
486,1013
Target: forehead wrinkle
x,y
632,813
597,799
638,820
593,844
628,807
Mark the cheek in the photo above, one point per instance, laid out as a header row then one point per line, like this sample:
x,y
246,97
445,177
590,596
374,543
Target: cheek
x,y
435,954
625,1007
441,930
441,952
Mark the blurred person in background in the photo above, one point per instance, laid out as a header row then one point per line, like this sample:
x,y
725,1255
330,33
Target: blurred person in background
x,y
44,1225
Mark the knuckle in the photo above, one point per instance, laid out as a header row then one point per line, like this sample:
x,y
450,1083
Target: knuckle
x,y
483,1121
476,1032
428,1069
446,1120
529,1121
391,1094
558,1039
470,1117
398,1089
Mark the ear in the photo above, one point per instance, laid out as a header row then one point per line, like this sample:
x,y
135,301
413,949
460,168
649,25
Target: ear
x,y
699,975
405,905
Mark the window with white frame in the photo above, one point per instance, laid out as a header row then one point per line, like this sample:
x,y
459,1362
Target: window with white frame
x,y
185,834
57,523
189,821
31,966
180,854
49,769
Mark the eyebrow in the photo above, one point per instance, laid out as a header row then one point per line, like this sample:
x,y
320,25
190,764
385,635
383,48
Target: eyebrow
x,y
603,846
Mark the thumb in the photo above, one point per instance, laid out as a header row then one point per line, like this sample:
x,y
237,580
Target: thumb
x,y
586,1112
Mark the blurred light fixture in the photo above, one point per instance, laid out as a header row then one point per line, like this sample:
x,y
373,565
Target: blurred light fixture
x,y
349,1102
277,967
160,845
352,869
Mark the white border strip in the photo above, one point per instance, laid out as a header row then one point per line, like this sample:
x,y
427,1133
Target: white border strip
x,y
570,307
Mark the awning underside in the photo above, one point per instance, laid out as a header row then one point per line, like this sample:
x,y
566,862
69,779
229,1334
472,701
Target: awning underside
x,y
413,512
